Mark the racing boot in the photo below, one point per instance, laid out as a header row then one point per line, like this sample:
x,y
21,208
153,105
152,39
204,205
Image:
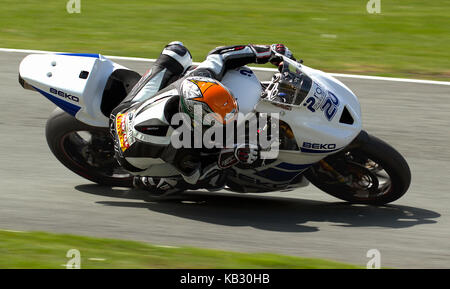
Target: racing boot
x,y
172,63
156,186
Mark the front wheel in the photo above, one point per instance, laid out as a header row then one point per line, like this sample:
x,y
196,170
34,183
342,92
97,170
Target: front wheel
x,y
371,172
86,150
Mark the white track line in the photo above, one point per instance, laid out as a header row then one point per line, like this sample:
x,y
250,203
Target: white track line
x,y
368,77
12,231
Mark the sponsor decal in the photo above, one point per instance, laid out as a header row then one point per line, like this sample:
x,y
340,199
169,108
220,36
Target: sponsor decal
x,y
121,129
64,95
319,146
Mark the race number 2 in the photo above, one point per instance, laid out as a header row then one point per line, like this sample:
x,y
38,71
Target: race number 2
x,y
324,100
330,106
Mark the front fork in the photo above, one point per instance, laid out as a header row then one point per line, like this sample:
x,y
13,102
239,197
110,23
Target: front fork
x,y
361,138
326,166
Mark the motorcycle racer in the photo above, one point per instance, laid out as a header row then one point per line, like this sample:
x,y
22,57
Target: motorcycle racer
x,y
173,77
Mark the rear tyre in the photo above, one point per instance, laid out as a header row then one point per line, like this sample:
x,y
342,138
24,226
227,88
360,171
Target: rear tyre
x,y
86,150
371,172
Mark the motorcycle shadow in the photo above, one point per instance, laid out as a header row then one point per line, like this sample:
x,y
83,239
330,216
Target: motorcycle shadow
x,y
271,213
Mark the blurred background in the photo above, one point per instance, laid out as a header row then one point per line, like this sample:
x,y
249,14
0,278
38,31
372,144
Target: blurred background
x,y
408,38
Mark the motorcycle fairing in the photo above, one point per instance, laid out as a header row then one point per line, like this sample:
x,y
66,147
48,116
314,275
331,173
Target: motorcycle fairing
x,y
74,82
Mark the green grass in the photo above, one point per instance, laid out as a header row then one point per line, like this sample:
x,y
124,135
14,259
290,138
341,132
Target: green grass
x,y
409,38
45,250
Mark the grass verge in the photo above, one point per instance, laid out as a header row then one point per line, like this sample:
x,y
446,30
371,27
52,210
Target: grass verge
x,y
407,39
44,250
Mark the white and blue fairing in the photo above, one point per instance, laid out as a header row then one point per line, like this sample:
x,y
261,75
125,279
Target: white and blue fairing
x,y
323,123
73,81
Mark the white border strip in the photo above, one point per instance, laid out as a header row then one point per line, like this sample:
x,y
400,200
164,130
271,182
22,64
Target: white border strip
x,y
368,77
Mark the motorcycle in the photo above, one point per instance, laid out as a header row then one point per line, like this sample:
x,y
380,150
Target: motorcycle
x,y
321,140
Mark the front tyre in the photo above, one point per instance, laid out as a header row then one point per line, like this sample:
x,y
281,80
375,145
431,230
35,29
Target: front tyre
x,y
86,150
371,172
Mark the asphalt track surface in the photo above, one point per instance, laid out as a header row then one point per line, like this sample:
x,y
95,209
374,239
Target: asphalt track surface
x,y
38,193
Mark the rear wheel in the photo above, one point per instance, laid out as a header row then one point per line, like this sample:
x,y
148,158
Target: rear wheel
x,y
86,150
371,172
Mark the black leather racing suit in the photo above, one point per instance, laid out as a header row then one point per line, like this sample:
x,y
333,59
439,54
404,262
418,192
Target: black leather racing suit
x,y
174,63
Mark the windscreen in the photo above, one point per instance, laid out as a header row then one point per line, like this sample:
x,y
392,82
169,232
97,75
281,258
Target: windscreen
x,y
290,86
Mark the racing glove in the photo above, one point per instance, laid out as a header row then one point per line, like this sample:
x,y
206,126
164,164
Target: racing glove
x,y
241,153
281,49
246,153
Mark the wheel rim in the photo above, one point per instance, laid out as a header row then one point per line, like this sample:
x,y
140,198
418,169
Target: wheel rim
x,y
93,152
371,181
364,178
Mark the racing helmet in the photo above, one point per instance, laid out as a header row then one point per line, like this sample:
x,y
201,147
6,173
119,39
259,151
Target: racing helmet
x,y
207,96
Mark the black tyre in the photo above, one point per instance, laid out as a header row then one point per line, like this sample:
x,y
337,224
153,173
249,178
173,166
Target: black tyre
x,y
371,172
87,151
